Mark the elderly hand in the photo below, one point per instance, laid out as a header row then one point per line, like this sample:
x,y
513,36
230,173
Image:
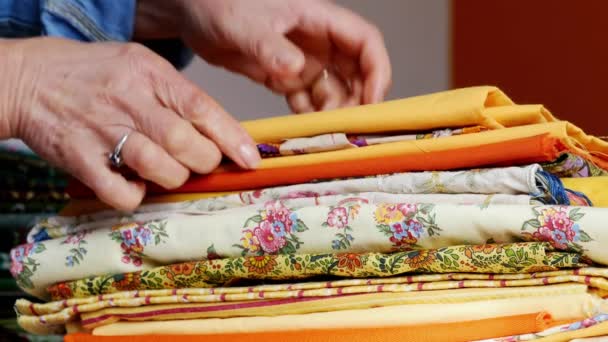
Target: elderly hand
x,y
72,102
283,44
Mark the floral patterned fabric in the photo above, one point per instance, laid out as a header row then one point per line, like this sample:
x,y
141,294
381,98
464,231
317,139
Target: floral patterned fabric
x,y
341,141
572,166
434,185
58,226
278,229
490,258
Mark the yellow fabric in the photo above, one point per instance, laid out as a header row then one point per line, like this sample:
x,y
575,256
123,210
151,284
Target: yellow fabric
x,y
519,115
593,331
568,306
571,136
35,318
415,283
596,188
454,108
364,301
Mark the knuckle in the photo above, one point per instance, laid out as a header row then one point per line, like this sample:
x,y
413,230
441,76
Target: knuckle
x,y
135,50
141,59
212,160
194,107
176,139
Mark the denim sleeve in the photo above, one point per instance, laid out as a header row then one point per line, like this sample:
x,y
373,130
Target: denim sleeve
x,y
84,20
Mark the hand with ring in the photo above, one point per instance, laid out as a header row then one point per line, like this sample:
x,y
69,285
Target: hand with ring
x,y
90,108
77,103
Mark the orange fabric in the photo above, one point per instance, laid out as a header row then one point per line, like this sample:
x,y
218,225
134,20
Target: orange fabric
x,y
518,151
456,331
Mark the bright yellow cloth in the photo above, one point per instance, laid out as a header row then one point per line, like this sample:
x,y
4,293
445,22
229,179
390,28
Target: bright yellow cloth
x,y
273,308
596,188
364,301
571,136
593,331
519,115
454,108
565,306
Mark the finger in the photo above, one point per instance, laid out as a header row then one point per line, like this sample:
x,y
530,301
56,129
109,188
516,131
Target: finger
x,y
179,139
240,64
346,67
356,38
289,84
328,92
208,117
152,162
272,50
90,165
356,93
300,102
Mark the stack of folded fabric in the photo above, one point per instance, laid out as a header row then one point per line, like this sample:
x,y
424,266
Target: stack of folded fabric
x,y
453,216
29,190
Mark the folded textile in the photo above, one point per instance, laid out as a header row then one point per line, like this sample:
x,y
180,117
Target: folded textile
x,y
508,180
243,309
573,138
277,229
60,226
341,141
458,331
429,186
593,187
569,165
375,317
582,324
454,108
476,284
458,305
511,151
600,329
507,258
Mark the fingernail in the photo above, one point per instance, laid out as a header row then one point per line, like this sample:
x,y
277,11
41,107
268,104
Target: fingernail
x,y
250,156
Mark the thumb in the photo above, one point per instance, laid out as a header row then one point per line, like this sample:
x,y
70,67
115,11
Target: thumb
x,y
276,54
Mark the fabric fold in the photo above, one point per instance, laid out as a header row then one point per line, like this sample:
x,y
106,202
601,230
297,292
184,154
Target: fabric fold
x,y
489,258
453,108
596,188
459,331
512,151
452,300
277,229
430,187
376,317
474,283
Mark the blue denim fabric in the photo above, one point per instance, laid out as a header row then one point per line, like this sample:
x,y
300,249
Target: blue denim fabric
x,y
84,20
